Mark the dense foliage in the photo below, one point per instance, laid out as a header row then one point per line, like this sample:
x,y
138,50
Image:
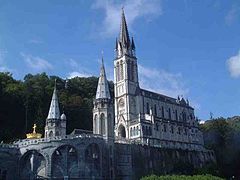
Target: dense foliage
x,y
25,102
223,136
181,177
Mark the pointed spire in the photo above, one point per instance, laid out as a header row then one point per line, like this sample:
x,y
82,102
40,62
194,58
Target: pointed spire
x,y
133,44
116,45
124,36
54,112
102,89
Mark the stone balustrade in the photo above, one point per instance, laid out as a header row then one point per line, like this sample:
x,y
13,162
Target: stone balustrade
x,y
26,142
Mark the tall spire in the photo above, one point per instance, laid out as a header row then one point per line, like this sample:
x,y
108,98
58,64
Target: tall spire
x,y
102,89
124,36
54,112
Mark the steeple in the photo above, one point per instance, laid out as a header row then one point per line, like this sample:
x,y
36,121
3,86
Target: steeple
x,y
54,112
124,36
102,89
124,45
55,124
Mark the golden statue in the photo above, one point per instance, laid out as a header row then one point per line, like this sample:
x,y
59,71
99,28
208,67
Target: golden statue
x,y
34,135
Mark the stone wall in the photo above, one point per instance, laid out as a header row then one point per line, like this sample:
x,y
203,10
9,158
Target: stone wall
x,y
134,161
9,155
93,157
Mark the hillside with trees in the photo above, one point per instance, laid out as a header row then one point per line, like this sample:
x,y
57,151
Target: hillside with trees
x,y
25,102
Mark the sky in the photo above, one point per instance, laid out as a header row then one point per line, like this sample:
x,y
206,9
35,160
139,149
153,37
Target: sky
x,y
186,48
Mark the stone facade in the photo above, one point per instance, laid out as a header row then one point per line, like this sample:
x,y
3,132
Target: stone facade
x,y
136,133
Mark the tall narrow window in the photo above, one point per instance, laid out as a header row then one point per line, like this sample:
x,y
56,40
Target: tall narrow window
x,y
121,70
169,113
132,71
129,74
95,125
157,126
172,130
179,130
155,109
150,131
176,114
117,72
148,110
164,128
184,116
162,112
102,119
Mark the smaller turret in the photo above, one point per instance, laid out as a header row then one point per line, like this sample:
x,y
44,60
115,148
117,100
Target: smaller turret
x,y
103,107
55,124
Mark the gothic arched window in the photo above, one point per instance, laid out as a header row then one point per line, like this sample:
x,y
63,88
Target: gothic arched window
x,y
102,121
121,70
162,112
148,110
95,125
155,109
57,133
164,128
143,130
184,116
132,71
176,114
150,131
50,134
169,113
117,72
172,130
129,69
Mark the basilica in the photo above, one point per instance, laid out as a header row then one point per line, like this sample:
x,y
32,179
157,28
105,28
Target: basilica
x,y
135,133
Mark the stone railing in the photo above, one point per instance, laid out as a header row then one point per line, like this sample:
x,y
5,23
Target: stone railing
x,y
8,145
162,144
25,142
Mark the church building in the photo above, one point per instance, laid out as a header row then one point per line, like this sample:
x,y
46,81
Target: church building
x,y
141,115
135,133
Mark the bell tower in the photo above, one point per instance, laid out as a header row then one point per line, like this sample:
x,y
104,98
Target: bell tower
x,y
126,84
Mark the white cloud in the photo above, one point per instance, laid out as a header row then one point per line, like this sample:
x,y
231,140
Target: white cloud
x,y
162,81
232,15
36,63
77,69
77,74
133,10
233,64
35,41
